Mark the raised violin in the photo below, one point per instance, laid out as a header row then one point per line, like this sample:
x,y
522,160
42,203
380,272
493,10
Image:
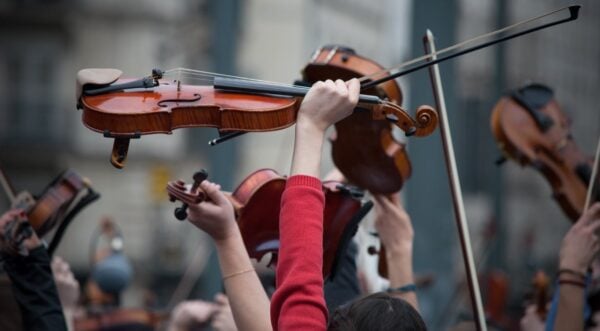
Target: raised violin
x,y
55,206
257,204
530,128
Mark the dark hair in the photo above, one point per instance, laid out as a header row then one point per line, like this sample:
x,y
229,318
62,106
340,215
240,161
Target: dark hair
x,y
376,312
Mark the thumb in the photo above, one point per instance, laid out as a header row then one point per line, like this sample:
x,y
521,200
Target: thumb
x,y
213,191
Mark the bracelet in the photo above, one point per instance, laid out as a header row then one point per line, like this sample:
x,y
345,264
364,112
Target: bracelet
x,y
571,282
238,273
403,289
571,272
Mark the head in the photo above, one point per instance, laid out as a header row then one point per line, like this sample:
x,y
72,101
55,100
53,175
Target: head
x,y
376,312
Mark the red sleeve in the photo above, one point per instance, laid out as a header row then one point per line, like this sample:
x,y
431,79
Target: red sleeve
x,y
298,303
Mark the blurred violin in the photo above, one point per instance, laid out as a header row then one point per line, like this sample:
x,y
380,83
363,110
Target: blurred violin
x,y
530,128
120,319
257,204
55,205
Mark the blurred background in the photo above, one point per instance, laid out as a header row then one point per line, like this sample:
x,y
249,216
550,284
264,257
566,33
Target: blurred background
x,y
45,43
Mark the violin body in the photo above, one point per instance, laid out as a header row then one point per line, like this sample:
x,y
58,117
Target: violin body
x,y
363,149
530,128
171,106
257,202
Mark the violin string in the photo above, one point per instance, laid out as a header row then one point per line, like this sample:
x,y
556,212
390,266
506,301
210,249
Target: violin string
x,y
456,46
588,198
193,72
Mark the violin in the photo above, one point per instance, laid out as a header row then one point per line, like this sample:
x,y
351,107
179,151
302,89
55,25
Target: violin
x,y
126,108
55,205
365,150
256,202
531,129
122,318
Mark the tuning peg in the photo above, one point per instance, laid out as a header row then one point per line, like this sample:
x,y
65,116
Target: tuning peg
x,y
199,177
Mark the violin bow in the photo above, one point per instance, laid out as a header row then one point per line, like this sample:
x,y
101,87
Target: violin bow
x,y
432,59
8,189
453,177
588,198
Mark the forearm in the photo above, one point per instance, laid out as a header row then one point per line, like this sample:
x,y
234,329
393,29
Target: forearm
x,y
400,272
306,159
569,315
247,297
35,291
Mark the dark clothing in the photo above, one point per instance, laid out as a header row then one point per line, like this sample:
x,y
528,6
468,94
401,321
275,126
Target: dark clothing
x,y
34,289
344,287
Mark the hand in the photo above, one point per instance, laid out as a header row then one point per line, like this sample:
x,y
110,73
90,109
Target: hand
x,y
66,284
215,216
223,319
189,313
393,224
327,103
531,321
16,234
580,245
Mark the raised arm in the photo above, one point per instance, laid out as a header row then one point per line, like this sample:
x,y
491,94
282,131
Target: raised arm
x,y
396,234
579,247
248,300
298,302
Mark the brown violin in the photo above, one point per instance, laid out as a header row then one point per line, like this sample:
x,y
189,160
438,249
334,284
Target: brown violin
x,y
257,204
530,128
126,108
55,205
364,149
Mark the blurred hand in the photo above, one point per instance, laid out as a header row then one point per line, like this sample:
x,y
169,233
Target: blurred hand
x,y
66,284
531,321
580,245
214,216
187,314
327,103
223,319
16,234
393,224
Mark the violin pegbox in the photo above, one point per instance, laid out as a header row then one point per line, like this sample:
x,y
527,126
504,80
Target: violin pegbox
x,y
186,193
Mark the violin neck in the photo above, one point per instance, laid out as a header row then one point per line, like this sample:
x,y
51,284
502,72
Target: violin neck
x,y
245,86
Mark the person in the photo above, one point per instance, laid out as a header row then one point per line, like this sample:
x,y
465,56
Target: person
x,y
67,287
578,249
28,266
298,302
192,314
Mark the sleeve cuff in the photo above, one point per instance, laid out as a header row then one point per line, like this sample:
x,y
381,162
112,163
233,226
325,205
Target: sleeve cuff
x,y
304,180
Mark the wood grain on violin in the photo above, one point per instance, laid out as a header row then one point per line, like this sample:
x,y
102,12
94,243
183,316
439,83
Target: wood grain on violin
x,y
530,128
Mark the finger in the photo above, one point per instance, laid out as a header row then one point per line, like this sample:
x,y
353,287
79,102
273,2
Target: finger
x,y
593,226
221,299
214,193
341,88
330,85
594,211
353,90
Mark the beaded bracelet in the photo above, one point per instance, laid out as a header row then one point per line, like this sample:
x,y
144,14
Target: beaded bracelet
x,y
571,272
403,289
571,282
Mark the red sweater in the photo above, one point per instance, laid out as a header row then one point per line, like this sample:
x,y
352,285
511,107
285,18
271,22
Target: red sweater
x,y
299,303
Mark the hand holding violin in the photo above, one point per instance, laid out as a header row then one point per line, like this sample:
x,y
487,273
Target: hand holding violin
x,y
16,234
215,215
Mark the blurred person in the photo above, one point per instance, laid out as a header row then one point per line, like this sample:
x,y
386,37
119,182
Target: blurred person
x,y
195,314
28,266
68,288
579,247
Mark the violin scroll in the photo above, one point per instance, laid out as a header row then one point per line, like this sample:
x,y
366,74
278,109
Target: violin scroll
x,y
425,123
187,194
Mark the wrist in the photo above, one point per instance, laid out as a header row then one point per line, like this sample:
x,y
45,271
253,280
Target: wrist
x,y
231,238
575,267
305,125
